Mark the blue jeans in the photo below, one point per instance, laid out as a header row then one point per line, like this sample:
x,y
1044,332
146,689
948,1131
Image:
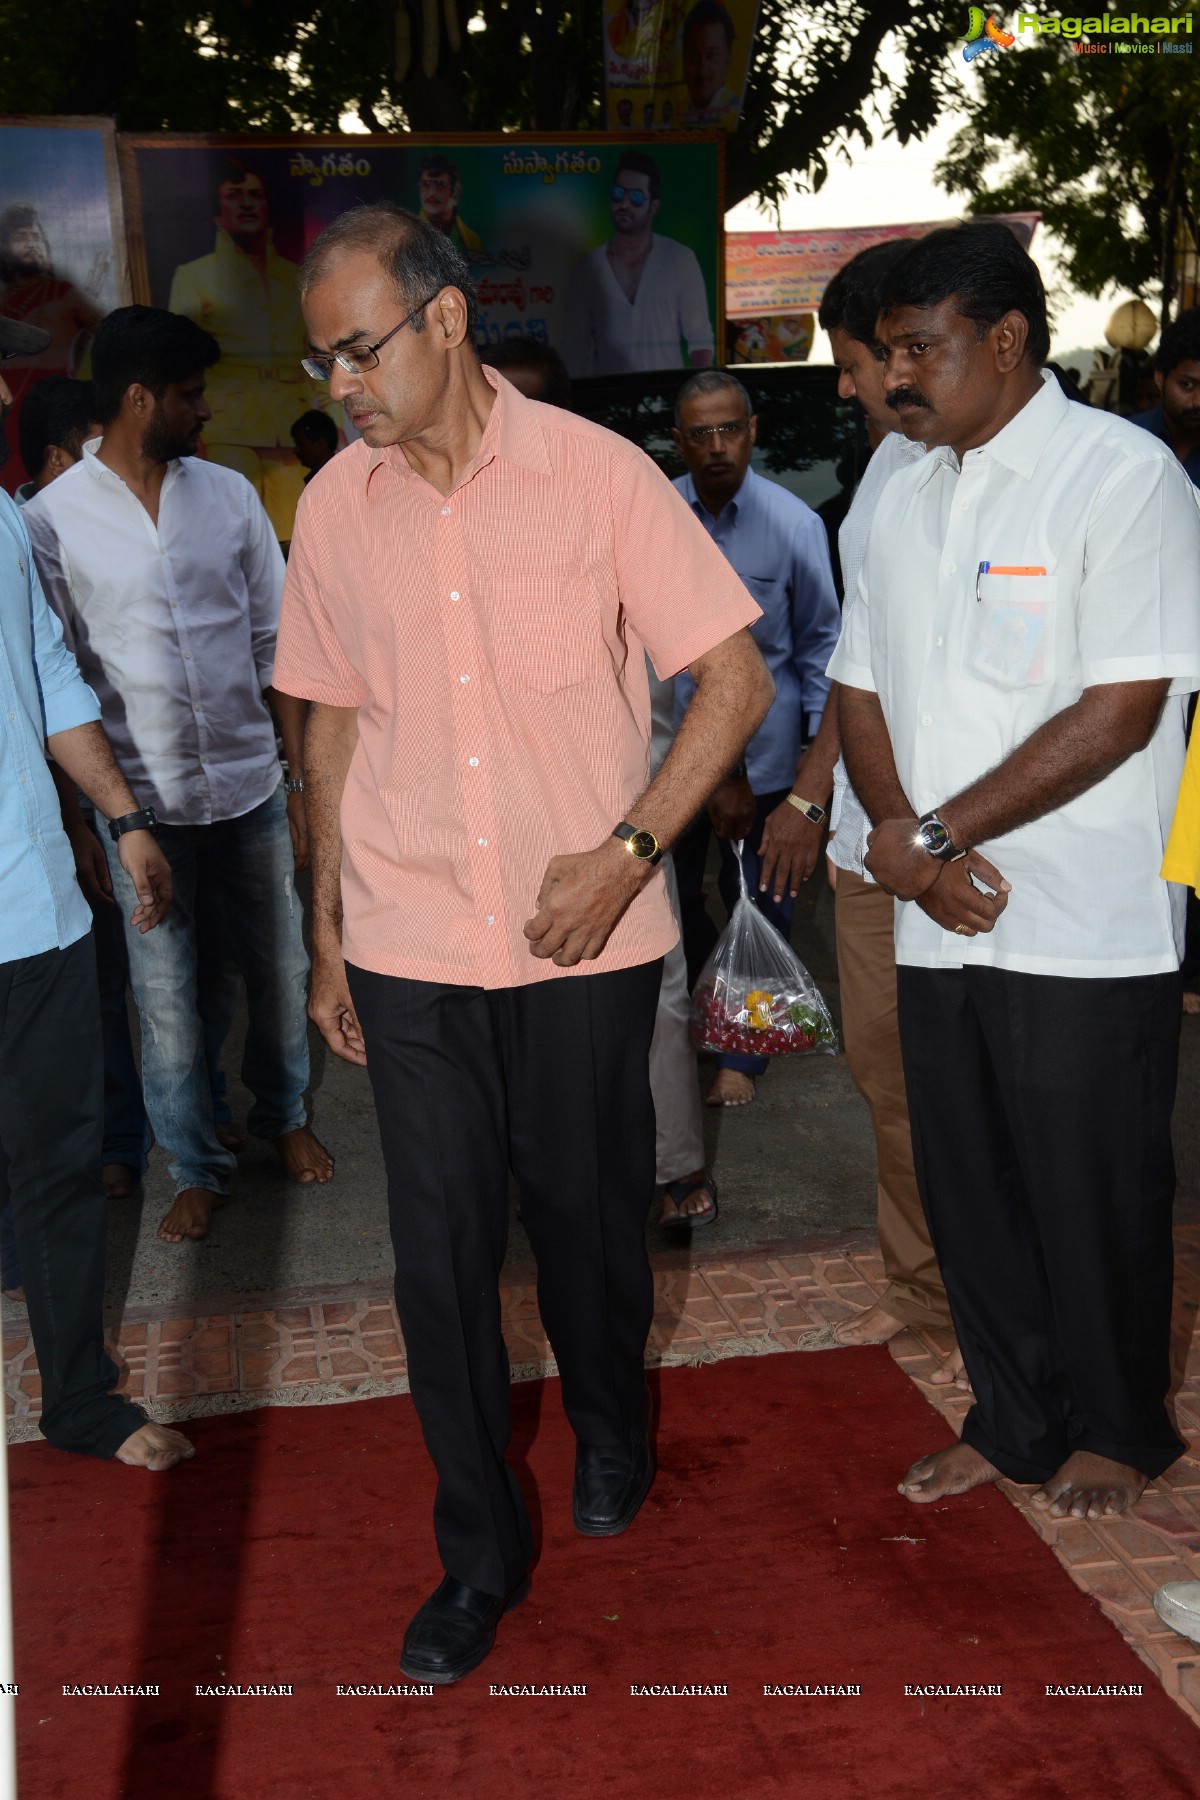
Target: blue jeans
x,y
242,869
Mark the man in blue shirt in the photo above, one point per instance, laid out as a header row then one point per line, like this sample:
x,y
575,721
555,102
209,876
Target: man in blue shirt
x,y
774,802
51,1064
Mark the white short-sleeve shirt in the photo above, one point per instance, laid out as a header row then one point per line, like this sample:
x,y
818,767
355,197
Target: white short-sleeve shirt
x,y
606,332
968,662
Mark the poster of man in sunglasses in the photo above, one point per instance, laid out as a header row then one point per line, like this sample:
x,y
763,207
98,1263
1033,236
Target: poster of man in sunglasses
x,y
637,301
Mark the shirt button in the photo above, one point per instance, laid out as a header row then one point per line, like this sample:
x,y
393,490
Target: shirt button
x,y
940,642
963,505
951,568
482,842
925,719
474,761
464,678
445,512
491,919
455,595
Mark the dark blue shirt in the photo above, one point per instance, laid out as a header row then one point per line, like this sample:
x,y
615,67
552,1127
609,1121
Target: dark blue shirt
x,y
1156,421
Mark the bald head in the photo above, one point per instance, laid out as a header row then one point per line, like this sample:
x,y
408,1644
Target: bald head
x,y
418,260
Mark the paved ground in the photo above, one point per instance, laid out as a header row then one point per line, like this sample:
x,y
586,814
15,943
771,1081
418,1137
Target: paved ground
x,y
288,1301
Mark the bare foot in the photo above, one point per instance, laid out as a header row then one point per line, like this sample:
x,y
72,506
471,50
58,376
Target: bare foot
x,y
874,1326
190,1216
118,1180
155,1447
698,1206
1089,1487
231,1135
731,1088
303,1156
953,1471
1191,1002
952,1370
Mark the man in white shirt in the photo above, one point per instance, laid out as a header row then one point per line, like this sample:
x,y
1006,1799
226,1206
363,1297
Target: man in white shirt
x,y
633,302
167,578
1014,670
914,1295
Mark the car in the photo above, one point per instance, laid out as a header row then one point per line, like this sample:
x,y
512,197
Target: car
x,y
810,440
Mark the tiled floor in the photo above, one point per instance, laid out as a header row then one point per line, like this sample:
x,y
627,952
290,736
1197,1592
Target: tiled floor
x,y
308,1349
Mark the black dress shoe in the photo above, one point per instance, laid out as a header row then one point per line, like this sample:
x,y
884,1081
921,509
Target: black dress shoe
x,y
454,1630
611,1481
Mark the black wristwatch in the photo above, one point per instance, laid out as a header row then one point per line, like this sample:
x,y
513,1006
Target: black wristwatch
x,y
146,820
639,842
934,836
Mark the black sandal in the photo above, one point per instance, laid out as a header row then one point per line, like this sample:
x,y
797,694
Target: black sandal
x,y
680,1190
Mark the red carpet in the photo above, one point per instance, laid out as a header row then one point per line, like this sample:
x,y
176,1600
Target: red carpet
x,y
773,1549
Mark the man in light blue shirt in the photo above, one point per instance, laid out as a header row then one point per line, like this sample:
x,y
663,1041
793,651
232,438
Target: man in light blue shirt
x,y
51,1064
776,802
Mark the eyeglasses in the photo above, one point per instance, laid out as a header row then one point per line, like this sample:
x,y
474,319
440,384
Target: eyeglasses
x,y
356,359
637,197
703,434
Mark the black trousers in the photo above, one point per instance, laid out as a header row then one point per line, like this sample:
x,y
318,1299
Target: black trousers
x,y
1041,1118
553,1081
51,1124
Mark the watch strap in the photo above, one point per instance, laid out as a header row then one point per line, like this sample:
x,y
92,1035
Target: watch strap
x,y
810,809
144,820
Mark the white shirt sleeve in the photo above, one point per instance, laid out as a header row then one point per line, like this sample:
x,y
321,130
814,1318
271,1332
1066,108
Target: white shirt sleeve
x,y
695,324
851,661
263,567
1137,615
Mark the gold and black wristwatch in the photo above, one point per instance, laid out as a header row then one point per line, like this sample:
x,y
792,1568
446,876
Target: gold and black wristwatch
x,y
639,842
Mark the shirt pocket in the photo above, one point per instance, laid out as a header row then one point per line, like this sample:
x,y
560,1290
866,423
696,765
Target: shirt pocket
x,y
544,638
1011,638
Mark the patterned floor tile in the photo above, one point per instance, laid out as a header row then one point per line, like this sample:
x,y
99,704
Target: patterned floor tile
x,y
330,1347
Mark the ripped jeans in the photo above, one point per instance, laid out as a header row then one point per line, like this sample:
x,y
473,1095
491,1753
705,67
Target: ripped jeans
x,y
243,867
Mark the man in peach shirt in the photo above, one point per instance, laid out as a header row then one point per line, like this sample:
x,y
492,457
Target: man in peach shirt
x,y
470,591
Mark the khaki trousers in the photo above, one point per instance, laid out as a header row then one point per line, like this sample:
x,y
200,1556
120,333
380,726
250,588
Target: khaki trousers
x,y
866,952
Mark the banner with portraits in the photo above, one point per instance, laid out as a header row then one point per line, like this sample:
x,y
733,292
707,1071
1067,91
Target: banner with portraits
x,y
63,263
676,65
608,249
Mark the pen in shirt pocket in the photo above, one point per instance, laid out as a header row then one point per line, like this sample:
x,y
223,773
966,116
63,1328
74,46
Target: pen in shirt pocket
x,y
989,568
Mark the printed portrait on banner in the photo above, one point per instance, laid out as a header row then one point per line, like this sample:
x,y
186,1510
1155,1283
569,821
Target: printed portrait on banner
x,y
62,250
676,64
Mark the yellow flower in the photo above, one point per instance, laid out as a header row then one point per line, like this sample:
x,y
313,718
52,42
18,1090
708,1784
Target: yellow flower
x,y
758,1005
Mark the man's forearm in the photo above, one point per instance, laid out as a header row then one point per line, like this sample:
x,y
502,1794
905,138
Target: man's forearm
x,y
289,715
733,694
330,737
814,771
1063,758
867,750
84,755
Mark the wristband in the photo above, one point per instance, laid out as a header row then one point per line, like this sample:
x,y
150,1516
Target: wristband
x,y
145,820
294,785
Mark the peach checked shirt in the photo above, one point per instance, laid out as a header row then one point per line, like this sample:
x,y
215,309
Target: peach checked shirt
x,y
492,640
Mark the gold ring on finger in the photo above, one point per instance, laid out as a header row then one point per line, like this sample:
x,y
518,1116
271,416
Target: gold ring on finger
x,y
963,930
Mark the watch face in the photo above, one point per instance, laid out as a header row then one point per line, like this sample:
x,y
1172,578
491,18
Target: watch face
x,y
934,836
643,845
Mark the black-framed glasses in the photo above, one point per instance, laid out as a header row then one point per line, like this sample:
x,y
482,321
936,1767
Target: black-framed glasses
x,y
356,359
635,196
703,434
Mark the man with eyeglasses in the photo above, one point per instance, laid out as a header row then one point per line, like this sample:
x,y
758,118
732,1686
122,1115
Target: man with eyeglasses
x,y
776,801
639,299
470,592
166,575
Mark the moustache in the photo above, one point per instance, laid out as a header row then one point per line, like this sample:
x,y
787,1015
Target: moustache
x,y
907,396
